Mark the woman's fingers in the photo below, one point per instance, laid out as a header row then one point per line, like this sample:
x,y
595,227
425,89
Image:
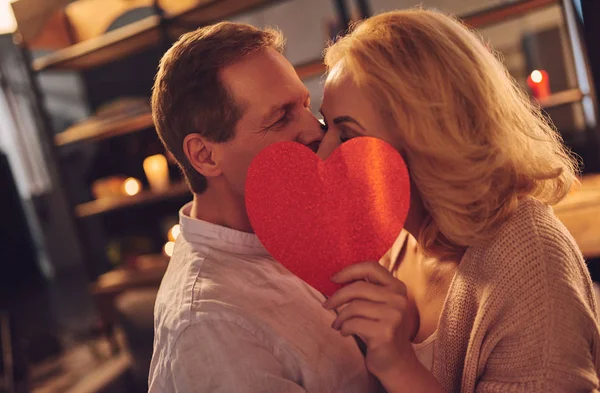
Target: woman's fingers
x,y
357,290
363,309
360,327
369,281
369,271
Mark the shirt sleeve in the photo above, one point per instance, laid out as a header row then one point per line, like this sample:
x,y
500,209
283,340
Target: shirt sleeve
x,y
222,356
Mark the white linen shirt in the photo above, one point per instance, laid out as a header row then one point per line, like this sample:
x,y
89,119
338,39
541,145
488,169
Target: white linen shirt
x,y
229,318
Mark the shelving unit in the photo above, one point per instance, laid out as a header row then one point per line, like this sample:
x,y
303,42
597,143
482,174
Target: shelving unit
x,y
561,98
311,69
505,12
94,130
146,33
111,46
143,34
105,205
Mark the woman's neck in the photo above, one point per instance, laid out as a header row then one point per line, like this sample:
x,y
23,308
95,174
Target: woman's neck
x,y
427,280
417,214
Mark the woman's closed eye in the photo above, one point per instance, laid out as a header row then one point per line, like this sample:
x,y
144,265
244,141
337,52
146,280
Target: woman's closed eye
x,y
344,137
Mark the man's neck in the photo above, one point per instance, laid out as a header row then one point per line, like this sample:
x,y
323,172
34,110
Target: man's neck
x,y
225,210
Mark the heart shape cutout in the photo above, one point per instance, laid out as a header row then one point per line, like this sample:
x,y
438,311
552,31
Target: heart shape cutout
x,y
316,217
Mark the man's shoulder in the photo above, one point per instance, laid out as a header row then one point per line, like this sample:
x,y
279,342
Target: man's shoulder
x,y
202,284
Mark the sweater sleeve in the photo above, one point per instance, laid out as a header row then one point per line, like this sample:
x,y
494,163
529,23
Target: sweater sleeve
x,y
545,332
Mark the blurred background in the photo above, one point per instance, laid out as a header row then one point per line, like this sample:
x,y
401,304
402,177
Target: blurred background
x,y
89,198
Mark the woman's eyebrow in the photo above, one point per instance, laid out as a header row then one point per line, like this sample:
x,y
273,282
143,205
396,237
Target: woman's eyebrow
x,y
347,119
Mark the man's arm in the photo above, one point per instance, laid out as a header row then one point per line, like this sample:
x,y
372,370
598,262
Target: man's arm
x,y
221,356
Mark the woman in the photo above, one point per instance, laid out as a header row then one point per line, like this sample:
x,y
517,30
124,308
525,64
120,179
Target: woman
x,y
498,298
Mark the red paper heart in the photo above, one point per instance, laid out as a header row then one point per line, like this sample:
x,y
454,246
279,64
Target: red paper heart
x,y
317,217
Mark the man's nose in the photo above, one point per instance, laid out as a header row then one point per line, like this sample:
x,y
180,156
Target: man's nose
x,y
330,142
311,133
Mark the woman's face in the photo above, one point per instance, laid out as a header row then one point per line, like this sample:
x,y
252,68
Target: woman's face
x,y
348,114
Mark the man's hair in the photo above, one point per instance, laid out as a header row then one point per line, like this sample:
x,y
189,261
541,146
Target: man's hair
x,y
189,95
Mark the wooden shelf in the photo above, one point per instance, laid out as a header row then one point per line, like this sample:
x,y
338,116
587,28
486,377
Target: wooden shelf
x,y
146,33
101,206
122,279
579,212
311,69
504,12
96,130
561,98
142,34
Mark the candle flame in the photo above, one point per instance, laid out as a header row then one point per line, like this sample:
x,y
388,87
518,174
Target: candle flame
x,y
132,186
537,76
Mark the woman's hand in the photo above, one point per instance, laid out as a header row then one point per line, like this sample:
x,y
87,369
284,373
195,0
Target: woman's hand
x,y
375,307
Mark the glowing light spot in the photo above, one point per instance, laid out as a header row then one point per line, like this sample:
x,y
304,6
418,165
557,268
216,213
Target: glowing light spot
x,y
174,232
536,76
132,186
168,248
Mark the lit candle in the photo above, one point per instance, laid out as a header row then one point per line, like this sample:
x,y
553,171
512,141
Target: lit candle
x,y
132,186
157,172
539,84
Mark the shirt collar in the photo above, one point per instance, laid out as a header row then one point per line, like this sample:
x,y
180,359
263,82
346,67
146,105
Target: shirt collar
x,y
217,236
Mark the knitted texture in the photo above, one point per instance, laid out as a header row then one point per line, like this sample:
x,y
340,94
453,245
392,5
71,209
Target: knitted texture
x,y
520,315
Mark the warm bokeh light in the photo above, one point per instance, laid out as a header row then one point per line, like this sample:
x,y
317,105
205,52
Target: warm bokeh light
x,y
537,76
174,232
168,248
7,18
132,186
157,172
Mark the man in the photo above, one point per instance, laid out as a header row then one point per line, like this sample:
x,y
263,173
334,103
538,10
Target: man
x,y
229,318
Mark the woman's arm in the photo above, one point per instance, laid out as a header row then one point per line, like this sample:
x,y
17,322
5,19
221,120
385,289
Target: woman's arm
x,y
410,377
537,326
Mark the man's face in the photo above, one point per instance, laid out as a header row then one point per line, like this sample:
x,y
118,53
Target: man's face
x,y
276,107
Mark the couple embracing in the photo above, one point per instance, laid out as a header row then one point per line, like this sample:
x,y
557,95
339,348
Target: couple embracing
x,y
484,290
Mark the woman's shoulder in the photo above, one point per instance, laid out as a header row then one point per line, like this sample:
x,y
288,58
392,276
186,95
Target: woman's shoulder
x,y
531,260
532,264
533,238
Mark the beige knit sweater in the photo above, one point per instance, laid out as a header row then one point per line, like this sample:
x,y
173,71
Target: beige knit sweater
x,y
520,315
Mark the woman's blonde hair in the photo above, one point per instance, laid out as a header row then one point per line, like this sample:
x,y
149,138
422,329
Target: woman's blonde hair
x,y
472,139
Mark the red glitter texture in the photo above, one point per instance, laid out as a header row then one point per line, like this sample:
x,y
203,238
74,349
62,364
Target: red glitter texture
x,y
316,217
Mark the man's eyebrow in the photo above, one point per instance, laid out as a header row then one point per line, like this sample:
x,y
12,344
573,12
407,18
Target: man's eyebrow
x,y
275,109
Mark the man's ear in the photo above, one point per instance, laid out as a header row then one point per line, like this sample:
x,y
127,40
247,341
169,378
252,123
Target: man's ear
x,y
200,155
